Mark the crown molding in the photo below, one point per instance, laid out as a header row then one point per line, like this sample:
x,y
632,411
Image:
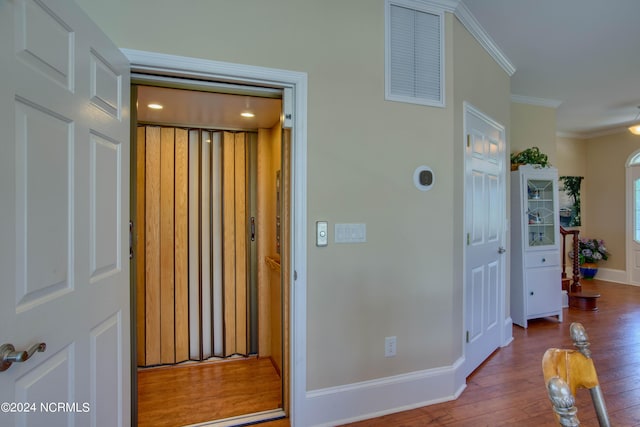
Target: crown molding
x,y
594,134
571,135
473,26
446,5
540,102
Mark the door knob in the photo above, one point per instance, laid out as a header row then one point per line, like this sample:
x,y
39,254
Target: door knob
x,y
501,250
9,355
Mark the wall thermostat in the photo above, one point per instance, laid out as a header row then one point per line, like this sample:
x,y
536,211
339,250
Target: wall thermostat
x,y
423,178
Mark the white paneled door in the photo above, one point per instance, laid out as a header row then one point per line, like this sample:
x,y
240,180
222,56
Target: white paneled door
x,y
64,203
485,214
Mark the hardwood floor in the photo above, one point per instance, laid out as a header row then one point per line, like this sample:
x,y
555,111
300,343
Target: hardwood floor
x,y
194,393
508,389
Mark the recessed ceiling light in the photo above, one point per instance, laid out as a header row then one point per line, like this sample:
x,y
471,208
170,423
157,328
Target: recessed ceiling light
x,y
247,114
155,106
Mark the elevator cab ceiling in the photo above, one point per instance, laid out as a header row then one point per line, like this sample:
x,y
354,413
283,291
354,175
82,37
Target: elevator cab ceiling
x,y
203,109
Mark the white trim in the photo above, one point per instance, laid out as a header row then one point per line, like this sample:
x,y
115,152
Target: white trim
x,y
445,5
633,159
507,332
571,135
427,6
593,133
629,208
368,399
179,66
540,102
611,275
472,25
242,420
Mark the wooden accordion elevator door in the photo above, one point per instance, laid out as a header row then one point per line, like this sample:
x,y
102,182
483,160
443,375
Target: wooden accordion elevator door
x,y
190,241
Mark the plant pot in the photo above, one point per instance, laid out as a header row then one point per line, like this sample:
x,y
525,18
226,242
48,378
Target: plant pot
x,y
588,270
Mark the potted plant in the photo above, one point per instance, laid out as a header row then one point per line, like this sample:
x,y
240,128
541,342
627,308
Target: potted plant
x,y
590,251
530,156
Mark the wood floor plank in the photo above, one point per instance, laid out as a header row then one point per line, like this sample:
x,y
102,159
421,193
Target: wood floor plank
x,y
195,393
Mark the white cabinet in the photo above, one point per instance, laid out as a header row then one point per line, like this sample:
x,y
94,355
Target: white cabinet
x,y
536,289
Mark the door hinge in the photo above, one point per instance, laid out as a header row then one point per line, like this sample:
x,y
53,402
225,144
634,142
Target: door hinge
x,y
467,336
468,239
468,140
295,275
130,239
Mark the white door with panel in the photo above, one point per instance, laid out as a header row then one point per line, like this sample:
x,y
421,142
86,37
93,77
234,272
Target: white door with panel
x,y
484,225
64,186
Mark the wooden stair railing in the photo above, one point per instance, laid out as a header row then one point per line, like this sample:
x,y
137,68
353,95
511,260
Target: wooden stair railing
x,y
577,299
574,282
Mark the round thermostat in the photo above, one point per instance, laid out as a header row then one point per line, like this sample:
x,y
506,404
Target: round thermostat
x,y
423,178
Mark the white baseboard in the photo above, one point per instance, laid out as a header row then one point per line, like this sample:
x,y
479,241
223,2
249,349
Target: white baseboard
x,y
610,275
507,333
368,399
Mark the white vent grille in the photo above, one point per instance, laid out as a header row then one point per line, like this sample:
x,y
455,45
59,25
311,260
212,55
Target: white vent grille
x,y
414,54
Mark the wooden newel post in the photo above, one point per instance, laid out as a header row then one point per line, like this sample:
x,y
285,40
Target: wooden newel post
x,y
575,284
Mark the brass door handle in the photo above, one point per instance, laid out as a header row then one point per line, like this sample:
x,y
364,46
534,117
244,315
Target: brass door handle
x,y
9,355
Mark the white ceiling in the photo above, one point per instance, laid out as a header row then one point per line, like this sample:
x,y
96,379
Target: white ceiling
x,y
583,54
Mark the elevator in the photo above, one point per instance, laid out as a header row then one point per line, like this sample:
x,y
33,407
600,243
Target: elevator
x,y
210,203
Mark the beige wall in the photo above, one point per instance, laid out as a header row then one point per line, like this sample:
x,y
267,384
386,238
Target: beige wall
x,y
480,81
605,186
571,155
533,126
362,151
571,160
602,162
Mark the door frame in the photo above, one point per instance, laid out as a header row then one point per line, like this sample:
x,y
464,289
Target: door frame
x,y
505,327
632,161
158,64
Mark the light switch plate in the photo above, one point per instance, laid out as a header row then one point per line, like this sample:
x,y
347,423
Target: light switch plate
x,y
322,233
350,233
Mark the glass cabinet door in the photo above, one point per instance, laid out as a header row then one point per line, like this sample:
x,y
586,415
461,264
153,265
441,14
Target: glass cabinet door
x,y
540,214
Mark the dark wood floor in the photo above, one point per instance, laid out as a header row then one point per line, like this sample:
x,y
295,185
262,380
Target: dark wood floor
x,y
508,389
194,393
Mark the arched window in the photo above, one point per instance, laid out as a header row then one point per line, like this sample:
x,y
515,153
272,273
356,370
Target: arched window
x,y
635,160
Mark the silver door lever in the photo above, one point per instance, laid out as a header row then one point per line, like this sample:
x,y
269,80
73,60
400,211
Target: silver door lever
x,y
501,250
9,355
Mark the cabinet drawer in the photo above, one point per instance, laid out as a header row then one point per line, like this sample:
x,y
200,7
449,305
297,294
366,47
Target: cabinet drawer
x,y
542,259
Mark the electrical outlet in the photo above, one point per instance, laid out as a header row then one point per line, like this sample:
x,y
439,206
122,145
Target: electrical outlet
x,y
389,346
